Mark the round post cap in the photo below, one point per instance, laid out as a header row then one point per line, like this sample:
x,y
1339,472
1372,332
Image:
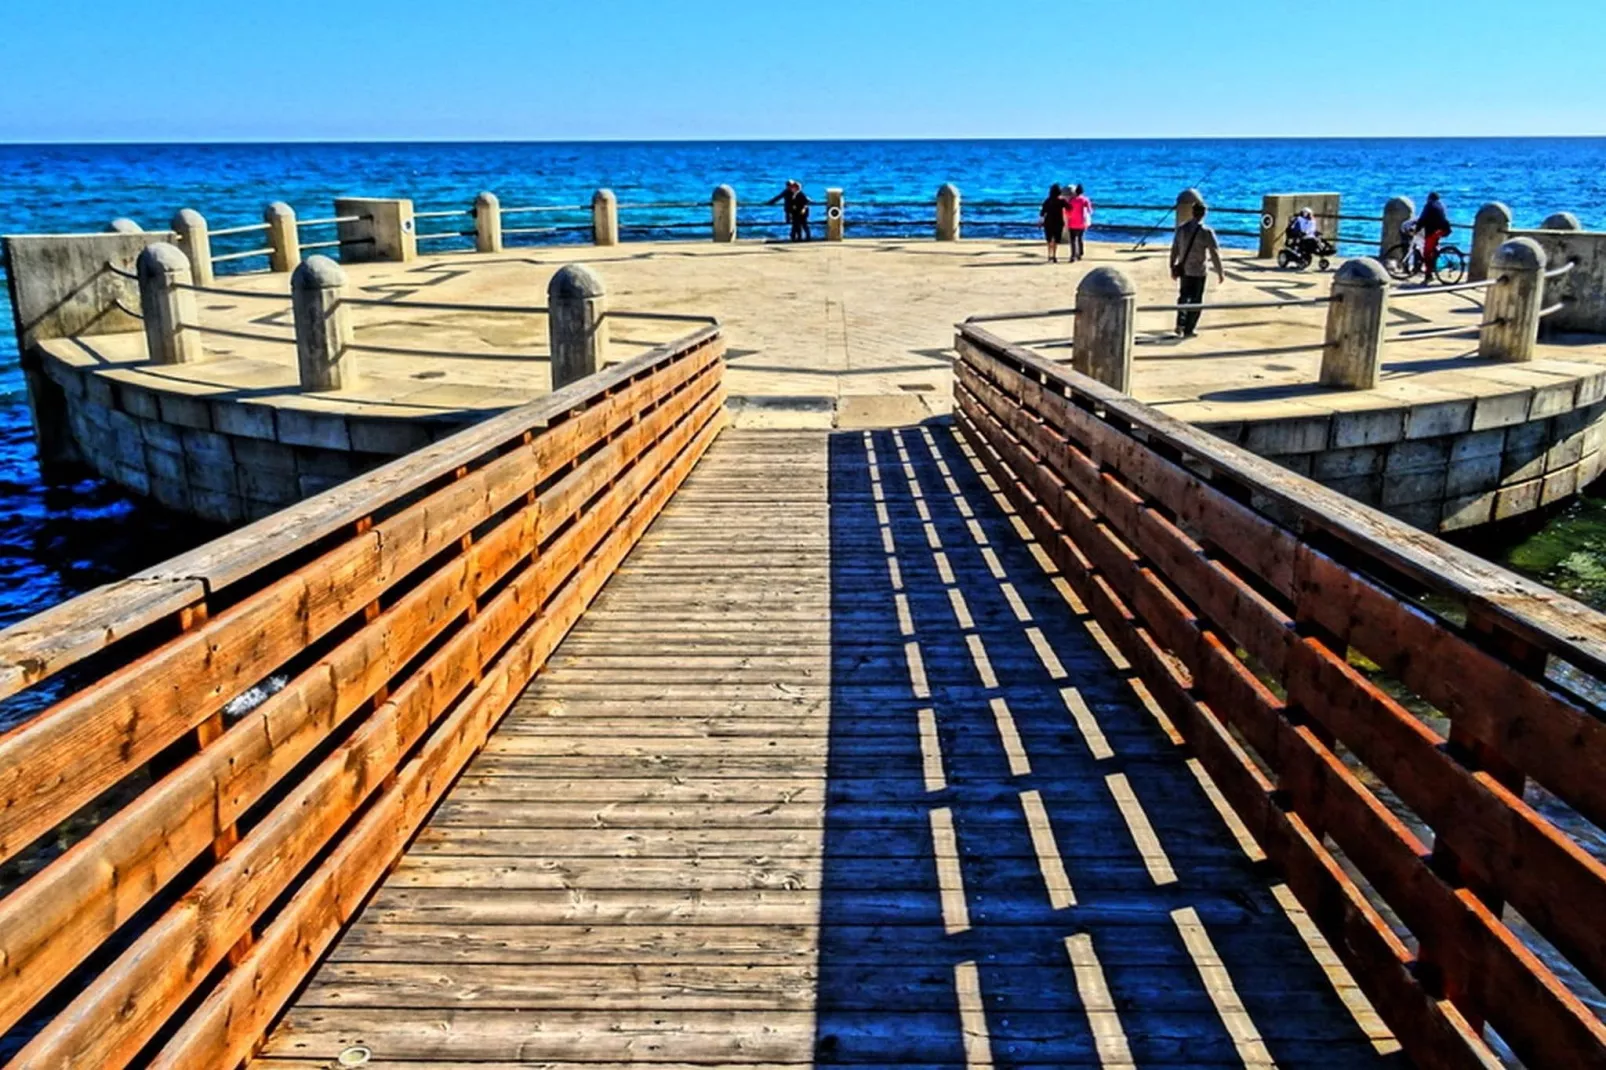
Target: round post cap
x,y
1400,204
123,225
724,192
949,191
1106,282
162,258
574,282
1519,254
1362,273
485,198
603,196
278,210
1493,212
318,273
189,219
1561,221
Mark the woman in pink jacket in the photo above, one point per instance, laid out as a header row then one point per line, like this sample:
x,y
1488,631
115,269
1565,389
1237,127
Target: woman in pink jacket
x,y
1078,216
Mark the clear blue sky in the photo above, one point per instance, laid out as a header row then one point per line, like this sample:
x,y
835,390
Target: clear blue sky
x,y
187,70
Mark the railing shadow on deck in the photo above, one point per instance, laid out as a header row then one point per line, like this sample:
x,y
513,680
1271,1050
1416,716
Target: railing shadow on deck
x,y
970,702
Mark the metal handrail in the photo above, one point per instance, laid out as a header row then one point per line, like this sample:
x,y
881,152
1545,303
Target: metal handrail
x,y
668,317
222,257
1558,272
547,208
574,229
218,291
330,220
447,234
443,306
1549,309
1432,332
246,229
999,317
443,214
665,204
1459,287
1290,302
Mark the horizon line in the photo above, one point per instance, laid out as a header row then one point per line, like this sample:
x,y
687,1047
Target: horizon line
x,y
67,143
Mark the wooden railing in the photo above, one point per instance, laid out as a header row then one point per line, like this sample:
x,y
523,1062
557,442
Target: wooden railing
x,y
1239,592
402,613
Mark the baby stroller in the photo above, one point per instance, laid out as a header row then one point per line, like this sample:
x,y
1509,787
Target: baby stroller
x,y
1299,250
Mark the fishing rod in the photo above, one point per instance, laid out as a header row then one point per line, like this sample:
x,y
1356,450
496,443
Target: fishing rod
x,y
1144,240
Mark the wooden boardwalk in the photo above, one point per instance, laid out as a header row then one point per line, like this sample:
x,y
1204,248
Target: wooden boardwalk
x,y
832,773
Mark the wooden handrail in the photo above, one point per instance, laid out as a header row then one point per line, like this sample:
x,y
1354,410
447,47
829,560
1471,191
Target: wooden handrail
x,y
398,616
1238,590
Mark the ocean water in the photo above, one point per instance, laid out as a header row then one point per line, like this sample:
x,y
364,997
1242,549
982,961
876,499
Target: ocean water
x,y
58,541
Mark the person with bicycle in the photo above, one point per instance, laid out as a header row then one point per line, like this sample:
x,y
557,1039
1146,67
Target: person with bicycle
x,y
1431,226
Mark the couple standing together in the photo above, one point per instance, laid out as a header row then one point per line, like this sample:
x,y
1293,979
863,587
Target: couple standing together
x,y
1066,215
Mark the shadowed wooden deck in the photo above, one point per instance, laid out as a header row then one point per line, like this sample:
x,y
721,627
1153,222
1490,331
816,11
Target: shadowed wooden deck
x,y
833,772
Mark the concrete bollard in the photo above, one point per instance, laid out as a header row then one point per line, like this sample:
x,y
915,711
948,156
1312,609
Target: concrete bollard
x,y
724,208
1106,313
1185,202
323,326
577,326
376,229
1354,350
1511,306
168,305
604,218
948,212
195,242
124,226
1561,221
1396,213
284,240
835,215
487,223
1489,229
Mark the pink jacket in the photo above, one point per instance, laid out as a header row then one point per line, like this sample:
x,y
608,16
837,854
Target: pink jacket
x,y
1079,212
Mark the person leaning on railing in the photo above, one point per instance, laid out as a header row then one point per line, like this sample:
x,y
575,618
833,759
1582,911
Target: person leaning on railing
x,y
1192,247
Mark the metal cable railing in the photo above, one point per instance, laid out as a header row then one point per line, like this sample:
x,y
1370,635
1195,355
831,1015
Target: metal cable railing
x,y
335,243
443,306
1000,317
667,317
332,220
1549,310
546,208
1558,272
1459,287
1216,306
1432,332
445,214
223,258
249,228
439,234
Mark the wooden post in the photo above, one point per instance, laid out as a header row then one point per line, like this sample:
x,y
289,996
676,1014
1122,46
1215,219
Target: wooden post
x,y
1511,306
284,240
577,304
724,207
195,243
604,218
1185,202
1395,214
1355,319
487,223
168,305
1490,228
948,212
833,215
1106,304
323,327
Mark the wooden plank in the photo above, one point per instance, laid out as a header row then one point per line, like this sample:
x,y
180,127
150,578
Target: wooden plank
x,y
227,1024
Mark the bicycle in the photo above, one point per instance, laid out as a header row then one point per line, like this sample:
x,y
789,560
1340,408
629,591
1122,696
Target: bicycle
x,y
1404,260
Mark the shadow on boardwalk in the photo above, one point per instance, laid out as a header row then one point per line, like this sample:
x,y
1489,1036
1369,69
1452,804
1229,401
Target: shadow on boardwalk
x,y
1020,864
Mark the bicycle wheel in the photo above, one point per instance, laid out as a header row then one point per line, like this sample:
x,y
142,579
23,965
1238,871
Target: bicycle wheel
x,y
1451,265
1397,261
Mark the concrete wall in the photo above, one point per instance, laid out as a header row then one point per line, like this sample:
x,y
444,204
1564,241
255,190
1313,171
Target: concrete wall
x,y
1584,288
1278,208
60,285
1447,465
223,459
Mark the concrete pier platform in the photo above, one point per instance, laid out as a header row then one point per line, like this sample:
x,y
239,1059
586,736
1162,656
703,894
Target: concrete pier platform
x,y
860,334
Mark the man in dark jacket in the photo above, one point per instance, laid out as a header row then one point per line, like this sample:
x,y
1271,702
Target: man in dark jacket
x,y
1434,225
789,198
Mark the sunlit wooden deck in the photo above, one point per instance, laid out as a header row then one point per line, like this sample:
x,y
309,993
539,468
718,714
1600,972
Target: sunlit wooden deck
x,y
832,773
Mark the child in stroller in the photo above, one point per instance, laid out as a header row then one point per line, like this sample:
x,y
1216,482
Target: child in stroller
x,y
1303,242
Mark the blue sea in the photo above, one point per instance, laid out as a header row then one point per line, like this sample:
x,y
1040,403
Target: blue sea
x,y
58,541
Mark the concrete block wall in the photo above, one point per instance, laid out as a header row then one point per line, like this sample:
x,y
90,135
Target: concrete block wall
x,y
224,460
1581,291
1448,465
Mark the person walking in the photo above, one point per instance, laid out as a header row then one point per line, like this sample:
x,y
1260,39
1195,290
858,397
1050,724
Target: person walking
x,y
800,215
1078,217
1053,216
1191,247
788,200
